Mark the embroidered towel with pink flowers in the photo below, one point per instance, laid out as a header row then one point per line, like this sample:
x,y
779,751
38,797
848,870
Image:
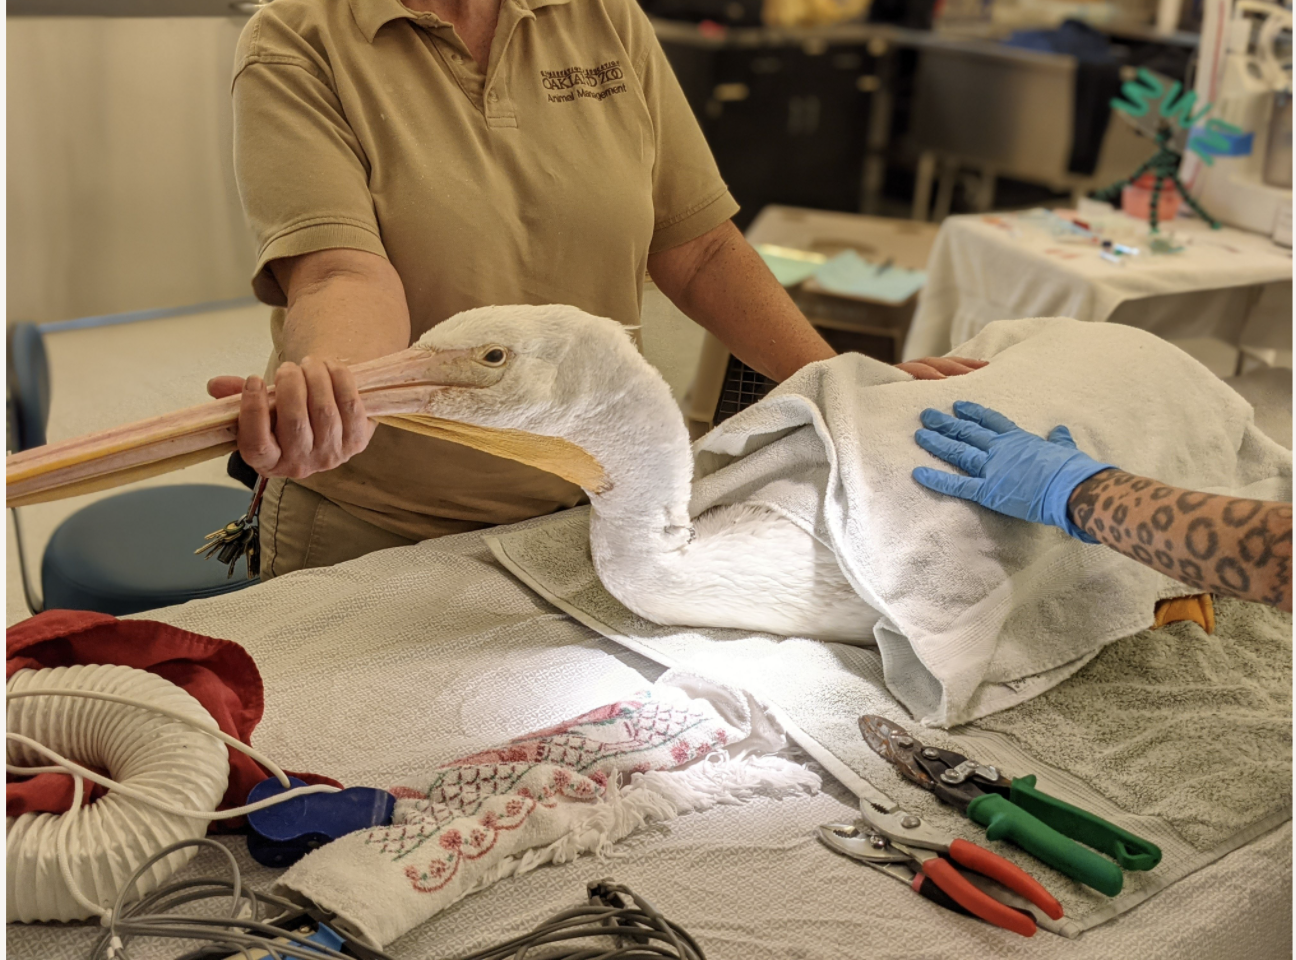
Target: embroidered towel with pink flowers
x,y
683,745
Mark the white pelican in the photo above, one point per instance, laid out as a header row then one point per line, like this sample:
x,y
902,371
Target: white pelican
x,y
567,392
580,378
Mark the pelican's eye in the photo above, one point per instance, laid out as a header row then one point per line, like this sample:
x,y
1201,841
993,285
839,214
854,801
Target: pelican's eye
x,y
494,356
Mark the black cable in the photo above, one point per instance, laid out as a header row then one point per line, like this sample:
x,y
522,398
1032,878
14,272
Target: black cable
x,y
614,911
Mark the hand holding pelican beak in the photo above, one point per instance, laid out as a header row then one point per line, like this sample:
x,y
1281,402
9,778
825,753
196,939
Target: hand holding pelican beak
x,y
319,419
397,386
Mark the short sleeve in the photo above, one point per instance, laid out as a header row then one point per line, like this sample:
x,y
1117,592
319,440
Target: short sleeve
x,y
302,175
689,195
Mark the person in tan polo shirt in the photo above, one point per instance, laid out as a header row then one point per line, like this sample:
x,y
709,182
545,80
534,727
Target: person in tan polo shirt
x,y
400,163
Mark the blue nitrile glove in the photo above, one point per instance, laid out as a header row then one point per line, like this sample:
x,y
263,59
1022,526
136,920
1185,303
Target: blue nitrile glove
x,y
1009,470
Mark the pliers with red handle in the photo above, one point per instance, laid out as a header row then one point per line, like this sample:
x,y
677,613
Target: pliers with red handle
x,y
901,839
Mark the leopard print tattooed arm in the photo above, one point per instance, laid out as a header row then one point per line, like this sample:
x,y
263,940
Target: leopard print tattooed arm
x,y
1212,543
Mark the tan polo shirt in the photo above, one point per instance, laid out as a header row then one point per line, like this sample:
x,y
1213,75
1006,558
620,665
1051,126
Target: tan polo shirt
x,y
547,177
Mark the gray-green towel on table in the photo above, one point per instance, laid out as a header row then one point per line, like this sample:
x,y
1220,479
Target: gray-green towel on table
x,y
1180,736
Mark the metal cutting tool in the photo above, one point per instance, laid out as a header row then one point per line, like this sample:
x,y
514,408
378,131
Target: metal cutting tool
x,y
1015,810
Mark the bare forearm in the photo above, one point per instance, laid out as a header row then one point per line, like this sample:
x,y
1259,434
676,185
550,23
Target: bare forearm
x,y
722,284
1217,544
343,305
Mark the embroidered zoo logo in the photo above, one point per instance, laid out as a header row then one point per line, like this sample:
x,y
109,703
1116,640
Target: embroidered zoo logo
x,y
565,86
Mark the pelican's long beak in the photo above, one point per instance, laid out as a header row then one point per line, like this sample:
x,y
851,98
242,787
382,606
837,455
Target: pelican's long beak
x,y
552,454
395,386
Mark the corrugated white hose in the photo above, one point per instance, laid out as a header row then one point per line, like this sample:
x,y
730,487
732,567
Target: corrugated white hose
x,y
168,770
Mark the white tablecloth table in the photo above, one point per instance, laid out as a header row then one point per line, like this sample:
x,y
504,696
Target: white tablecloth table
x,y
1008,265
378,669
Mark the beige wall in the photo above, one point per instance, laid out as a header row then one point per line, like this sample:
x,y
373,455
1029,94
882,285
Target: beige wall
x,y
121,193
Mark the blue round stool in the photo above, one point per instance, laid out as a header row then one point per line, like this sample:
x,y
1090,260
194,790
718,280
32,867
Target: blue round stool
x,y
135,551
128,552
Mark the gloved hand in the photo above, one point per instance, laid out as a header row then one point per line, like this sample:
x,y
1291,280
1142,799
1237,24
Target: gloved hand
x,y
1009,470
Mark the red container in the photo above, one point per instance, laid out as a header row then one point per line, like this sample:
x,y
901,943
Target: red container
x,y
1136,199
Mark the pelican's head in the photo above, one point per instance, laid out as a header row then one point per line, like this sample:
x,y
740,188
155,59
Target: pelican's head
x,y
555,381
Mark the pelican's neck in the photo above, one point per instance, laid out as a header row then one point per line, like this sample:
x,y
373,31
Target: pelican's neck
x,y
639,436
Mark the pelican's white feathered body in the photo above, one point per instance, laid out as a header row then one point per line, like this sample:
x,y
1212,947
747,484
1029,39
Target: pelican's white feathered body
x,y
579,377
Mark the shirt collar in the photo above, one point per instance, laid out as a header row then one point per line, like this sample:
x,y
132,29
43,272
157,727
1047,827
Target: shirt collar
x,y
371,15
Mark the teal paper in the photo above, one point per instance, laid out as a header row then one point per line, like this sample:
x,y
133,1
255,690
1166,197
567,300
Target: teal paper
x,y
787,271
851,275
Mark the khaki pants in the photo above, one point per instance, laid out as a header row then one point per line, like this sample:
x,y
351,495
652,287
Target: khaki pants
x,y
301,529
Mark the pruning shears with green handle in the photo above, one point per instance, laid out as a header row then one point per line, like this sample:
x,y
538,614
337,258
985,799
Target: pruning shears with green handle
x,y
1016,811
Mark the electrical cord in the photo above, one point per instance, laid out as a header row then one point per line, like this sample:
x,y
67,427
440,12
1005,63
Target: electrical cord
x,y
637,929
244,928
64,765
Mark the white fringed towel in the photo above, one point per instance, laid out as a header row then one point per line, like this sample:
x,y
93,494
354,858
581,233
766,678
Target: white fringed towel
x,y
682,746
982,611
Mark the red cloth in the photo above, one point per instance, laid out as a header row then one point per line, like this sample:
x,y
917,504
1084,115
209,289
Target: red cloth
x,y
219,674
